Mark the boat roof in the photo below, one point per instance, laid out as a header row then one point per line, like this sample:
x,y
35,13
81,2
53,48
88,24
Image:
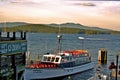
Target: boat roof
x,y
68,53
51,55
76,52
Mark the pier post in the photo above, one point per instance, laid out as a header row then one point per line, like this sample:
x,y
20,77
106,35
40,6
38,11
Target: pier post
x,y
14,66
14,36
102,56
0,67
116,66
0,34
24,58
8,34
21,35
24,36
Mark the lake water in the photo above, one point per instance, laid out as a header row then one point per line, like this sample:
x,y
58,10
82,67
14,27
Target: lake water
x,y
40,43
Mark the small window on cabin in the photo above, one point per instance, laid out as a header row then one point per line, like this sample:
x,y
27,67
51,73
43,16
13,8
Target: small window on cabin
x,y
53,58
62,60
48,59
70,58
57,59
45,58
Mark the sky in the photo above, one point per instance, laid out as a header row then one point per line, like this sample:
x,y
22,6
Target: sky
x,y
103,14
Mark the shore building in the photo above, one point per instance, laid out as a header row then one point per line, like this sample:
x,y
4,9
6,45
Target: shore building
x,y
13,47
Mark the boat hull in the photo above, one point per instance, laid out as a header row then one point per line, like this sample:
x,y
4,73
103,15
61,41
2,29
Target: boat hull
x,y
48,73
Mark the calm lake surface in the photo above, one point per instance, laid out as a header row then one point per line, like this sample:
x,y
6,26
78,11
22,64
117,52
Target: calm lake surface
x,y
40,43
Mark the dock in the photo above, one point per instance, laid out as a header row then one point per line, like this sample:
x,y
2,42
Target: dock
x,y
13,47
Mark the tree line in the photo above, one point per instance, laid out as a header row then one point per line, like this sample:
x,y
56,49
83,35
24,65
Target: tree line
x,y
50,29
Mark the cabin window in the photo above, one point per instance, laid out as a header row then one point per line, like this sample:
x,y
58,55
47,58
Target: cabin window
x,y
53,58
70,58
45,58
64,59
57,59
48,59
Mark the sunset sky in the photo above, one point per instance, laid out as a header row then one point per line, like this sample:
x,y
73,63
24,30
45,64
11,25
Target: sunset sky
x,y
104,14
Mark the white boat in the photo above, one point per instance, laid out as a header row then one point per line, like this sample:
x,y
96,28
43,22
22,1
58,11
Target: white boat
x,y
58,65
64,63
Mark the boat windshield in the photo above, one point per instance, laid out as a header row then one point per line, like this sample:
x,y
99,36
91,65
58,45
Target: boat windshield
x,y
45,58
48,58
66,58
51,59
57,59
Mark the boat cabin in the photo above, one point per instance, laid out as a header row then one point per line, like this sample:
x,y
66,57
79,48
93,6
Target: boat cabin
x,y
51,58
60,58
63,59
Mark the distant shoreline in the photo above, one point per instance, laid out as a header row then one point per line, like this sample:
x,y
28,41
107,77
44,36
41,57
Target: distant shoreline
x,y
53,28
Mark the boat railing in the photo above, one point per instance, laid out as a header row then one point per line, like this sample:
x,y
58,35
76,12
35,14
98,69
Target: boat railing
x,y
42,66
11,36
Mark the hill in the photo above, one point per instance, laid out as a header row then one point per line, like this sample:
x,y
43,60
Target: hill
x,y
80,26
11,24
53,28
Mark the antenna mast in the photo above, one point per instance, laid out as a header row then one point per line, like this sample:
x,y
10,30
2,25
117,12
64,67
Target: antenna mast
x,y
59,36
4,27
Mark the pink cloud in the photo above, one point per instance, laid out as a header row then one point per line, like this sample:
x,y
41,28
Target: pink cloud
x,y
85,12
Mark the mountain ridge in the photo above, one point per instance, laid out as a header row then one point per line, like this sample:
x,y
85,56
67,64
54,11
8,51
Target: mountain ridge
x,y
68,25
79,28
11,24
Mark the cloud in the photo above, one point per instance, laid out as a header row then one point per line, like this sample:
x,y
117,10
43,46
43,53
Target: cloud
x,y
36,1
96,13
113,7
109,8
85,4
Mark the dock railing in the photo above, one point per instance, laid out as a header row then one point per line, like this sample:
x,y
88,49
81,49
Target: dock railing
x,y
8,36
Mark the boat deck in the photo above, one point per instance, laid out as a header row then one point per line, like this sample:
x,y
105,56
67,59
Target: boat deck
x,y
42,65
